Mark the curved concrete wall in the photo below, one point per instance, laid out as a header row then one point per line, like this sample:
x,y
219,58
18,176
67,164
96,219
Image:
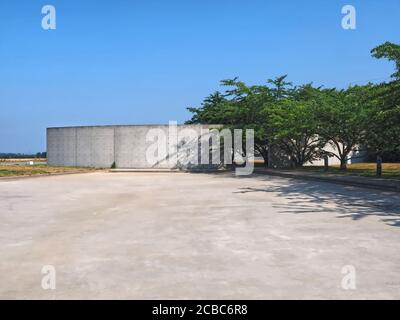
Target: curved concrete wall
x,y
100,146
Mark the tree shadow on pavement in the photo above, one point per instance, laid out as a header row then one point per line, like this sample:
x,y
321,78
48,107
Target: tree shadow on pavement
x,y
349,202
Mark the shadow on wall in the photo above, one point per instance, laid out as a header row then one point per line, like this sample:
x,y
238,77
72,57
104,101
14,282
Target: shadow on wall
x,y
190,155
349,202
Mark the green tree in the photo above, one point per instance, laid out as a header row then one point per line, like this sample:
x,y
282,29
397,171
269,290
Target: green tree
x,y
344,119
280,88
210,110
391,52
294,122
240,107
384,132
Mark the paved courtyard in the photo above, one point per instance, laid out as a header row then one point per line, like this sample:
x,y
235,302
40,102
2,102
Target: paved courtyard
x,y
196,236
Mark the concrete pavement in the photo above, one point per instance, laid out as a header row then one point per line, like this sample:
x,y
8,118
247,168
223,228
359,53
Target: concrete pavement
x,y
196,236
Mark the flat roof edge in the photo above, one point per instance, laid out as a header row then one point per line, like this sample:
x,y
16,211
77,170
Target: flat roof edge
x,y
134,125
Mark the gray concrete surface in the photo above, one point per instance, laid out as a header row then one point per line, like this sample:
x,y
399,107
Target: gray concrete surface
x,y
178,236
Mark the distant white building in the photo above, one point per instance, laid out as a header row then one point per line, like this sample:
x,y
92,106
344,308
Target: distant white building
x,y
278,159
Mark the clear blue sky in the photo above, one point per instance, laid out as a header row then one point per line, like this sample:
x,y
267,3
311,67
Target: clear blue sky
x,y
135,62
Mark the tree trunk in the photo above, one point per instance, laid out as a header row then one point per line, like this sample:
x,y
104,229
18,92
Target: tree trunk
x,y
379,166
344,157
264,154
343,164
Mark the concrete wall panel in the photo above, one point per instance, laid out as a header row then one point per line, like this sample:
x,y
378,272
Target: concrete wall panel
x,y
95,147
61,146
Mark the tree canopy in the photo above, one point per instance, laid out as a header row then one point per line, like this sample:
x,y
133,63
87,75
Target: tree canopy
x,y
302,120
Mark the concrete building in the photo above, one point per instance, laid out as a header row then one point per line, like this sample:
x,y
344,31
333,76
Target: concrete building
x,y
126,146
